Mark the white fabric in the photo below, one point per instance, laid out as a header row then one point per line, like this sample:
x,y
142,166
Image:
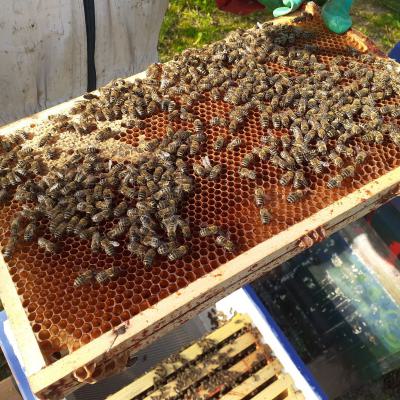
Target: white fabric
x,y
43,56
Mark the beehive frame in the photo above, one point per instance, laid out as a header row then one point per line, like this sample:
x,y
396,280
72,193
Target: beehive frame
x,y
56,379
237,336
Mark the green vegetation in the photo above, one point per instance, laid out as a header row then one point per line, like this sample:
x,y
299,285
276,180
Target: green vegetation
x,y
381,22
193,23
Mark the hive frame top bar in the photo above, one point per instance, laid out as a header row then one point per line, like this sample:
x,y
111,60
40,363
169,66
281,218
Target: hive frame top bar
x,y
171,311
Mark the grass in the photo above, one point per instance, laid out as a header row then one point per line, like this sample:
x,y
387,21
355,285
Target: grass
x,y
380,22
193,23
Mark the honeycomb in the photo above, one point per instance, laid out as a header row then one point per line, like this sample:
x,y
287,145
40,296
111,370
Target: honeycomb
x,y
64,318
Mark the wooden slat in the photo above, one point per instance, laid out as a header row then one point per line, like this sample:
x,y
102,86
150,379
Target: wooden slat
x,y
145,382
243,366
240,344
275,389
254,381
295,396
21,328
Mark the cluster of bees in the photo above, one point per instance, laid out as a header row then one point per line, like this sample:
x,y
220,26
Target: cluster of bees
x,y
313,117
321,111
140,200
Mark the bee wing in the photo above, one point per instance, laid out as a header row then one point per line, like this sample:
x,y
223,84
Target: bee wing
x,y
206,162
114,243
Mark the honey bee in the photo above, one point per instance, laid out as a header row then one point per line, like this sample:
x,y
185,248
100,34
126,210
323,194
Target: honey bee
x,y
163,192
9,248
105,134
336,160
82,224
182,150
259,196
165,248
347,172
265,216
107,274
215,172
290,161
395,136
152,241
167,212
215,94
83,278
264,120
170,226
286,178
247,160
45,139
198,126
194,147
345,150
52,154
317,165
280,162
218,121
286,141
247,173
335,182
360,157
177,253
263,152
378,138
59,229
224,242
95,244
128,192
4,195
198,169
209,230
108,246
276,121
15,225
149,257
47,245
299,180
295,196
321,147
234,143
219,143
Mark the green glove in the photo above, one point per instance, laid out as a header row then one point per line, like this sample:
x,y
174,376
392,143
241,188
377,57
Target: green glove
x,y
336,15
289,6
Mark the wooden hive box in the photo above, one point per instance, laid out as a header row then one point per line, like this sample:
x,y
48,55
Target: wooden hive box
x,y
230,363
141,306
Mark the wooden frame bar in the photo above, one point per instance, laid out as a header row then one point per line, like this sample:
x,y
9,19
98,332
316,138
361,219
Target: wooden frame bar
x,y
241,353
172,311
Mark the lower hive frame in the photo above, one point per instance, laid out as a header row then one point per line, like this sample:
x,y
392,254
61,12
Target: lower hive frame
x,y
111,351
250,370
